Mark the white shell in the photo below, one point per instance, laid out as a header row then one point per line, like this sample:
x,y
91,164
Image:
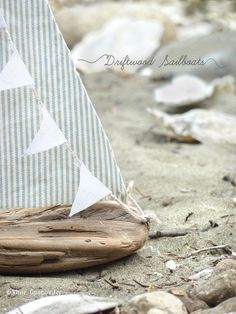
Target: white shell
x,y
171,265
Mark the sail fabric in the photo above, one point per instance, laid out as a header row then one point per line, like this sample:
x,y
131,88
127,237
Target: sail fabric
x,y
47,178
2,21
90,191
49,135
15,74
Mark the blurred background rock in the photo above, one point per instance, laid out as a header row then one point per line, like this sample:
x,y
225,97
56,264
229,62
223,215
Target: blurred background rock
x,y
78,17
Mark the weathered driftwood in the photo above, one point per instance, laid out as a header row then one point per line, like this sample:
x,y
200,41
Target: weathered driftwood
x,y
46,240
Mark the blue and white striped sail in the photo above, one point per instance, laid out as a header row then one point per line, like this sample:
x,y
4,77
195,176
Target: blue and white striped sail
x,y
49,177
49,136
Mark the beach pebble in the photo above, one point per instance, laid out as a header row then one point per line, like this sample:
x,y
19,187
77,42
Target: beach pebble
x,y
225,264
228,306
205,273
149,251
151,303
171,265
220,46
234,201
156,311
193,304
154,277
230,177
218,287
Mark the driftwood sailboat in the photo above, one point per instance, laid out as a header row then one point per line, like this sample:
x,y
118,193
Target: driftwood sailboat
x,y
56,163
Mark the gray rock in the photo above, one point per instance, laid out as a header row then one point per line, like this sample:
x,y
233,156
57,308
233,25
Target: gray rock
x,y
193,304
156,311
225,264
219,287
221,47
226,307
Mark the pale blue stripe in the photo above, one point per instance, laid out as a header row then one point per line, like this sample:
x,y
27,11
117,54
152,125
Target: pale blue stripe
x,y
53,155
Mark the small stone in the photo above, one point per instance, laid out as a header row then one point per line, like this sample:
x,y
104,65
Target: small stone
x,y
167,201
193,304
234,201
165,302
155,277
230,177
205,273
178,292
185,190
149,251
225,264
156,311
228,306
103,273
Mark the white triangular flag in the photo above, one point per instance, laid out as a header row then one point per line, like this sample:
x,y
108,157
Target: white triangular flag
x,y
15,74
48,136
2,20
90,191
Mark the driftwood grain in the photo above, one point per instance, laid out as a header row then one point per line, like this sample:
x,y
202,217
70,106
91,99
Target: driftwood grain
x,y
47,240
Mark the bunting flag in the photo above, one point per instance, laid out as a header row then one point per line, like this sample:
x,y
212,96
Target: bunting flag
x,y
48,136
15,74
90,191
2,21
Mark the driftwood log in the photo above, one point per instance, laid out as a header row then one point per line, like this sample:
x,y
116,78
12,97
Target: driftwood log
x,y
45,240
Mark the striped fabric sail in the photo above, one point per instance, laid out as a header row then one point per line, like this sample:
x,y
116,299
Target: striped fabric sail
x,y
2,20
50,177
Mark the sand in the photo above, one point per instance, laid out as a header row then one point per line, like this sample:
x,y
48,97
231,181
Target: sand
x,y
176,178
